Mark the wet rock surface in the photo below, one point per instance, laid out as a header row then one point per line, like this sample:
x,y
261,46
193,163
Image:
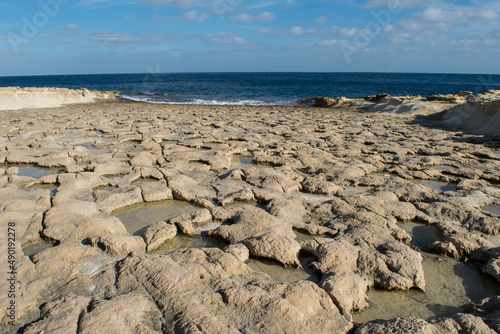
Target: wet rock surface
x,y
343,177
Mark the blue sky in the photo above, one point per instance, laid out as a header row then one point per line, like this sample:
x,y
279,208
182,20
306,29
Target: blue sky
x,y
141,36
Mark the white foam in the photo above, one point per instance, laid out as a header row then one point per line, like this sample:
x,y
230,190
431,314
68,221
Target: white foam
x,y
208,102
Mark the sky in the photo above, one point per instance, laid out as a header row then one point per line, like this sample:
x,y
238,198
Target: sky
x,y
43,37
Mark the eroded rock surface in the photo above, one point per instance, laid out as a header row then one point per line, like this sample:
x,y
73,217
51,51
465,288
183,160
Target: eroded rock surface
x,y
344,177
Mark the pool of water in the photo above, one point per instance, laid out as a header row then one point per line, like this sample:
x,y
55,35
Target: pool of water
x,y
494,209
137,218
440,187
35,171
280,273
48,186
183,241
443,167
359,190
304,236
422,234
450,285
313,197
240,161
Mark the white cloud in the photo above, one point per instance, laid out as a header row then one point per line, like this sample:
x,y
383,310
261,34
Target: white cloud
x,y
126,39
321,20
398,3
67,29
246,18
105,2
226,38
331,42
179,3
194,16
348,32
294,31
458,16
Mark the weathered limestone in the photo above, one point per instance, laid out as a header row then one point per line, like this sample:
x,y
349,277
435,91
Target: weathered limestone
x,y
117,245
14,98
262,234
479,115
346,177
158,234
229,297
348,271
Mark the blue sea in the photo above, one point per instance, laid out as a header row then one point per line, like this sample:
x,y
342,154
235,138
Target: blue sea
x,y
261,88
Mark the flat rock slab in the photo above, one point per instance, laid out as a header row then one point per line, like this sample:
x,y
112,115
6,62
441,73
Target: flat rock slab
x,y
345,177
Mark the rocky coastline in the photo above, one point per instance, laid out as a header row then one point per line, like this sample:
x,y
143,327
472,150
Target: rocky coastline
x,y
329,192
15,98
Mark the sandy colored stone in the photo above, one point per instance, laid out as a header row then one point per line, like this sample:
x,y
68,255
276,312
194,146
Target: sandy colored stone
x,y
262,234
158,234
130,313
119,245
157,191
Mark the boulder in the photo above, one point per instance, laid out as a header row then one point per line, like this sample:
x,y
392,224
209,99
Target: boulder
x,y
158,234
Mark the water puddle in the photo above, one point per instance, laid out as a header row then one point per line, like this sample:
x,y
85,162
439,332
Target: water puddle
x,y
240,161
36,247
34,171
360,190
137,218
450,286
279,273
422,234
182,241
440,187
313,197
49,186
100,133
443,167
494,209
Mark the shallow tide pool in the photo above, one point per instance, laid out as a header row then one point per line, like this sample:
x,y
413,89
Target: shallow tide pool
x,y
137,218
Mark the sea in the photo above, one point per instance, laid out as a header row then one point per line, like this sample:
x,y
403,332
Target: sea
x,y
260,88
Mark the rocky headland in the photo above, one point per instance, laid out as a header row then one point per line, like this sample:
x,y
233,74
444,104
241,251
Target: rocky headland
x,y
15,98
140,218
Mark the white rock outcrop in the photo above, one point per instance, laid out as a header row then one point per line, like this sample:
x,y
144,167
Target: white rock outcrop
x,y
480,114
15,98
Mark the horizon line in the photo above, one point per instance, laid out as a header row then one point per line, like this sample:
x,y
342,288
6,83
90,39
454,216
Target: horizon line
x,y
242,72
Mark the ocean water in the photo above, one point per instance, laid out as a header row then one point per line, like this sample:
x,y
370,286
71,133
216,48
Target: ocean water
x,y
261,88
